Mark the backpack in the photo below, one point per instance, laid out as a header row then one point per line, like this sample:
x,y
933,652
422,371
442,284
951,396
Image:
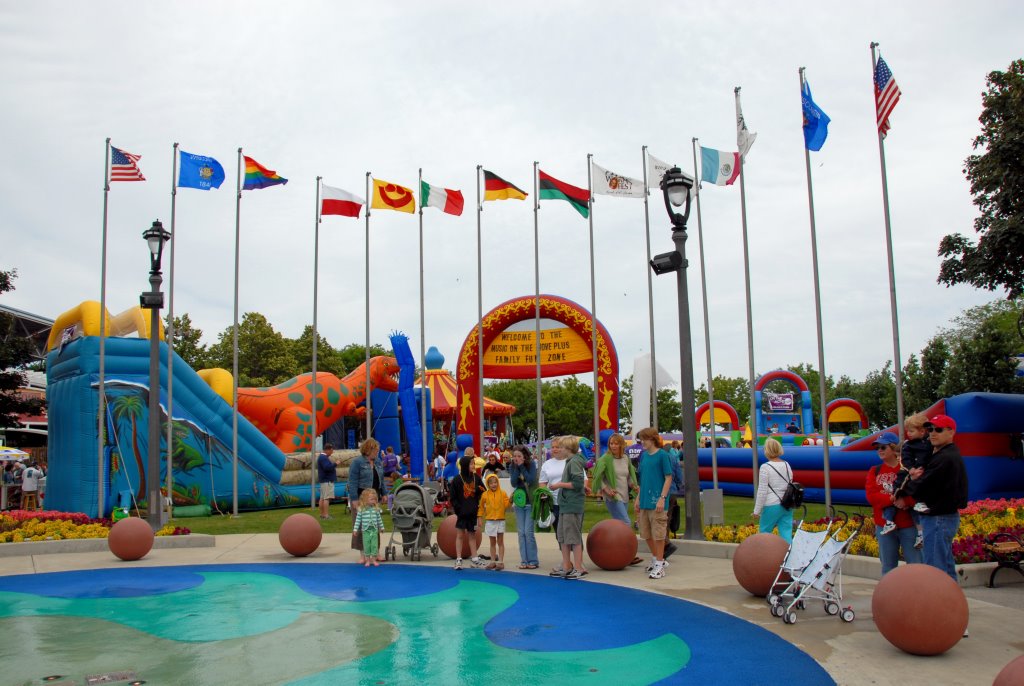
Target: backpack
x,y
794,494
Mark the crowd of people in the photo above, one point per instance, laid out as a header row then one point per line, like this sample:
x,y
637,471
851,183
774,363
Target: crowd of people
x,y
23,481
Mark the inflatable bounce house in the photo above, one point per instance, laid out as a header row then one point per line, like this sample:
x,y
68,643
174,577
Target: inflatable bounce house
x,y
275,425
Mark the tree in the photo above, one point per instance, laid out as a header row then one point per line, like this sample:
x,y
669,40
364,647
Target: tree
x,y
983,363
15,356
997,183
878,397
734,390
187,341
568,408
669,409
519,392
327,358
354,354
264,355
923,380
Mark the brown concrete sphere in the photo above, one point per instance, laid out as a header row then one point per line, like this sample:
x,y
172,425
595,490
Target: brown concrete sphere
x,y
131,539
1012,674
446,537
919,609
757,560
611,544
300,534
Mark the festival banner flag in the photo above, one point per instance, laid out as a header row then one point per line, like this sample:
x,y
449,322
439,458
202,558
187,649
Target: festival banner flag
x,y
123,166
257,176
719,167
391,196
887,94
339,202
551,188
497,188
199,171
815,121
445,199
609,183
655,170
744,138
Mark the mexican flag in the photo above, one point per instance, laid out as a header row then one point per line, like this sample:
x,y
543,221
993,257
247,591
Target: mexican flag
x,y
445,199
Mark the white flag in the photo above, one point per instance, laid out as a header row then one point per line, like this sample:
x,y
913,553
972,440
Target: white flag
x,y
609,183
744,138
655,170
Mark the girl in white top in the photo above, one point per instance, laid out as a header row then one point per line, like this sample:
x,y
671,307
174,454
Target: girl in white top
x,y
773,478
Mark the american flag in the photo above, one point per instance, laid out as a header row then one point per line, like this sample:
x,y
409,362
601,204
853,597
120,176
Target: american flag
x,y
887,94
123,167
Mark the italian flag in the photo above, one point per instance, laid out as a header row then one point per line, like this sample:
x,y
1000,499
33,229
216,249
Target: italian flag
x,y
445,199
336,201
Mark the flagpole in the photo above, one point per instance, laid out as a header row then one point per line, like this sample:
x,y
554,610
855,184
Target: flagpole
x,y
707,327
423,342
817,314
898,359
593,304
752,421
234,348
101,417
536,304
479,313
369,405
169,335
316,390
650,302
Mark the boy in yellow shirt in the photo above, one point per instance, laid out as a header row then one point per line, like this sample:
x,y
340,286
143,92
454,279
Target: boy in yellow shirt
x,y
493,504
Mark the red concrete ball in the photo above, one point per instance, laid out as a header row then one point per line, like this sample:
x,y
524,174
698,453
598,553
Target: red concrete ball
x,y
300,534
919,609
1012,674
131,538
757,560
611,544
446,538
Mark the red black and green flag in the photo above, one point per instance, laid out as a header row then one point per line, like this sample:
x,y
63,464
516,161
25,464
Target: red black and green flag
x,y
553,189
497,188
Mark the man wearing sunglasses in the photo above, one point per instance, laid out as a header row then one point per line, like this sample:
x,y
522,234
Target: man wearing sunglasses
x,y
942,483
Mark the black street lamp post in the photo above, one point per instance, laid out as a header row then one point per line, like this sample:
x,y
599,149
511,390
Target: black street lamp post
x,y
676,187
153,300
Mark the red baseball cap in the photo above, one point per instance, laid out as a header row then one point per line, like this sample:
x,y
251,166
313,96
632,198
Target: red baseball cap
x,y
942,421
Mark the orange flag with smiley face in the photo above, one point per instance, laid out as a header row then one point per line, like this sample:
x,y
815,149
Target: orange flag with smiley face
x,y
391,196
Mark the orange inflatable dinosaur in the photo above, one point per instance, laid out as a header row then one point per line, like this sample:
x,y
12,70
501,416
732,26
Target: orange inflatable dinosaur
x,y
283,412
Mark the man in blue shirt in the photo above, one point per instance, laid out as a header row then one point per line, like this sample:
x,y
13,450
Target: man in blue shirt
x,y
327,474
655,482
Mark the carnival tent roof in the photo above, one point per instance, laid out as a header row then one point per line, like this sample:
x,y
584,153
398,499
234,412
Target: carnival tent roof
x,y
444,396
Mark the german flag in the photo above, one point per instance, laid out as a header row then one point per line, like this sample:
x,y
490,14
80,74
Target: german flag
x,y
553,189
497,188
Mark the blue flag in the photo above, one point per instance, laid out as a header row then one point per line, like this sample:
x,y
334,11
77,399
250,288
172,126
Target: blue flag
x,y
815,121
199,171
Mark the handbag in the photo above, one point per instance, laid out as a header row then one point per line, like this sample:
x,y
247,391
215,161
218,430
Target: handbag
x,y
357,540
793,497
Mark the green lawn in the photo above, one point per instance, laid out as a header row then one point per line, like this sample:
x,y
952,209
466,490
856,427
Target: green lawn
x,y
737,511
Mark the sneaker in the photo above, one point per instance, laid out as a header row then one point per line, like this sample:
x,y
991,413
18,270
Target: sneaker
x,y
658,572
965,633
919,541
889,527
458,563
670,549
572,574
557,571
477,561
655,563
921,507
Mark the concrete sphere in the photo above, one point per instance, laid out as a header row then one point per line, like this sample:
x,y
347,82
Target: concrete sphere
x,y
1012,674
919,609
757,560
446,538
131,539
611,544
300,534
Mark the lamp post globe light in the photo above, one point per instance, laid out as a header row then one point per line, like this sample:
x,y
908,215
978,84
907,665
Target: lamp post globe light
x,y
676,188
153,300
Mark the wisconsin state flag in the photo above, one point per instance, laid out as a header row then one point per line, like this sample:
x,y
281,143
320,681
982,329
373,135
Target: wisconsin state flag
x,y
391,196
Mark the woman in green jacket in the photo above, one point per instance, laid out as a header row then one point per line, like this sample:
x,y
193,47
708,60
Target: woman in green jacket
x,y
614,478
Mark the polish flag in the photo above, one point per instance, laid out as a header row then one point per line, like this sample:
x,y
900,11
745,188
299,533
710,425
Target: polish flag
x,y
336,201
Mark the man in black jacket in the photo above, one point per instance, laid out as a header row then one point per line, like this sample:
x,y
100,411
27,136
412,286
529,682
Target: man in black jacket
x,y
942,486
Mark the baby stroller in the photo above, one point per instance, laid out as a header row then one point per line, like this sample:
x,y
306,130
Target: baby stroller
x,y
801,551
821,579
412,516
442,501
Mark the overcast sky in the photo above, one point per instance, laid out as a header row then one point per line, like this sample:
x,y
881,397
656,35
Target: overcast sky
x,y
338,89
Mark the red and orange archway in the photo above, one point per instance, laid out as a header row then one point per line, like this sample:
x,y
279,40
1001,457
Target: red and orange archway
x,y
520,363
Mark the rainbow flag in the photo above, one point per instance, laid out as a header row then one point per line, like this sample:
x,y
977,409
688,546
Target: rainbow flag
x,y
258,176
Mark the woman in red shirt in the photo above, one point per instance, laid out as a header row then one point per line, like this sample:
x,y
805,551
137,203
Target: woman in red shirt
x,y
879,487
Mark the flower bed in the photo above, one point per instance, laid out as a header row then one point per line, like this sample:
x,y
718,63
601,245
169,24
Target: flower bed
x,y
979,520
18,526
